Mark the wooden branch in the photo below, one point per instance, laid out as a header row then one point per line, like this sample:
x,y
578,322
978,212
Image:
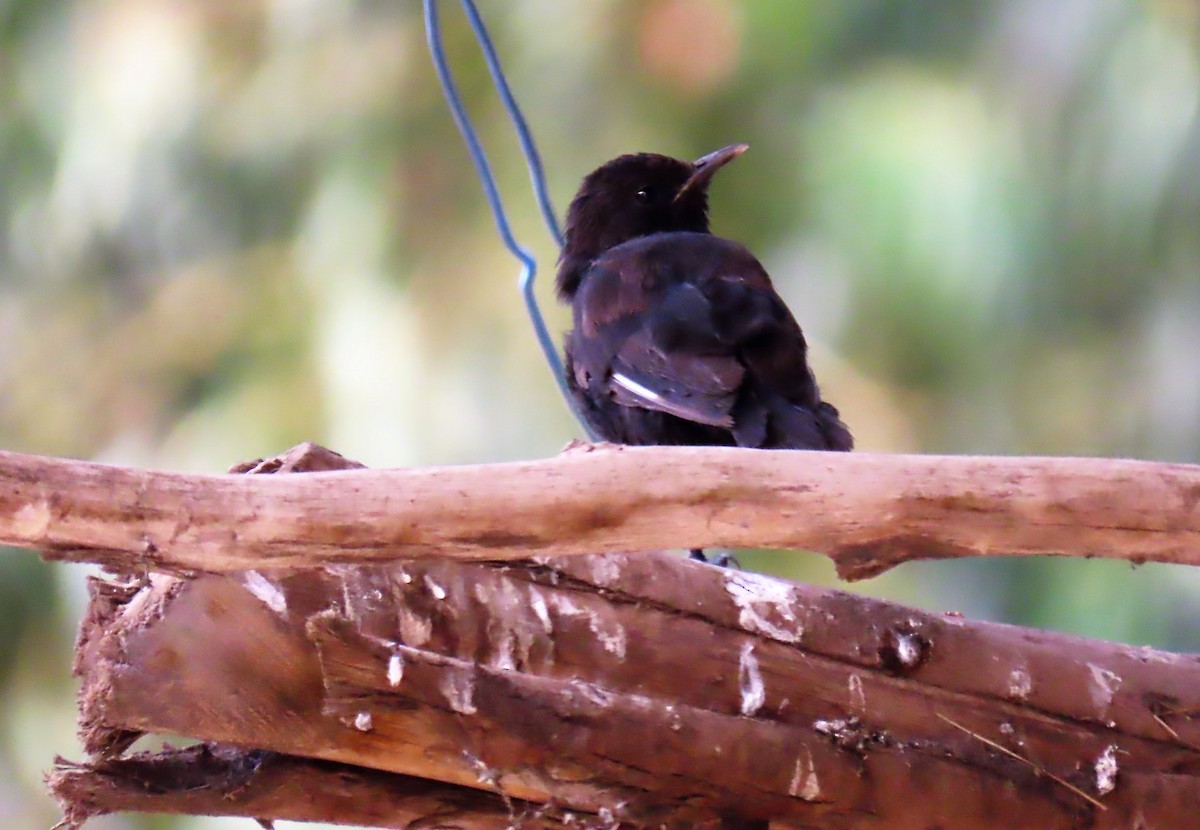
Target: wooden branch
x,y
867,512
656,692
209,780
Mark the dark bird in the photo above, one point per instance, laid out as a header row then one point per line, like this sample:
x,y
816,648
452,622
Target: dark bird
x,y
679,336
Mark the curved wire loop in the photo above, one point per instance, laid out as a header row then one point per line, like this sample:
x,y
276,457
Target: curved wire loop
x,y
490,189
533,160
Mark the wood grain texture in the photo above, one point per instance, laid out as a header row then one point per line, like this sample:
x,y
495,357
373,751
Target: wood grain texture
x,y
619,690
867,512
660,692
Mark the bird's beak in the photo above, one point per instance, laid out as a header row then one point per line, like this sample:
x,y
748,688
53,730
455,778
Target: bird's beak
x,y
705,167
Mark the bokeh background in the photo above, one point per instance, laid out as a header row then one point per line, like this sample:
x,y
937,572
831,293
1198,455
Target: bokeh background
x,y
229,227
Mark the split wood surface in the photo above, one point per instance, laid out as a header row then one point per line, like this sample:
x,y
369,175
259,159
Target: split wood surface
x,y
221,780
867,512
642,691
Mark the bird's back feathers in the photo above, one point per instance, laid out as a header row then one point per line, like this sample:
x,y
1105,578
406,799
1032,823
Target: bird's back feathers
x,y
680,338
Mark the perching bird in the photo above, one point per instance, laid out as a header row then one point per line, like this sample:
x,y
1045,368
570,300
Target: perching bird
x,y
679,336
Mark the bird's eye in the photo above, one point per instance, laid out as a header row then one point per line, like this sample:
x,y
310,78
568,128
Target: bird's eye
x,y
645,194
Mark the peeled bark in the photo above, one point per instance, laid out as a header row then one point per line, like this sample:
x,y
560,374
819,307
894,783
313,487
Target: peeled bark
x,y
867,512
222,781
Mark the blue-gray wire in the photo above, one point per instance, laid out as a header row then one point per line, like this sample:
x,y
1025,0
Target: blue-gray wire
x,y
532,160
490,189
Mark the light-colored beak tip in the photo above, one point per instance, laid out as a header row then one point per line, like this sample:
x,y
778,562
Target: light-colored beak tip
x,y
718,158
705,167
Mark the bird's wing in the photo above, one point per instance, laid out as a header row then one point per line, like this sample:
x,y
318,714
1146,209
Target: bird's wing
x,y
689,324
684,348
695,387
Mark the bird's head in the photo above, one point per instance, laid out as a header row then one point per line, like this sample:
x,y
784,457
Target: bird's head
x,y
632,196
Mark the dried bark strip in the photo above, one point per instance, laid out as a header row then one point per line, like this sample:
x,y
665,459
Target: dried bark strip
x,y
867,512
223,781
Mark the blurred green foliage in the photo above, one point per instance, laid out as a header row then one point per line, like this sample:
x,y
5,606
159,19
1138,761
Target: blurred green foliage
x,y
229,227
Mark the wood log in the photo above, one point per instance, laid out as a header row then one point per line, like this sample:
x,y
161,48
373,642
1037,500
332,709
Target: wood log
x,y
651,691
867,512
620,690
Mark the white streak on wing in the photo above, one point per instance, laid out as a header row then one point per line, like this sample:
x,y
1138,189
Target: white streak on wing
x,y
636,388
